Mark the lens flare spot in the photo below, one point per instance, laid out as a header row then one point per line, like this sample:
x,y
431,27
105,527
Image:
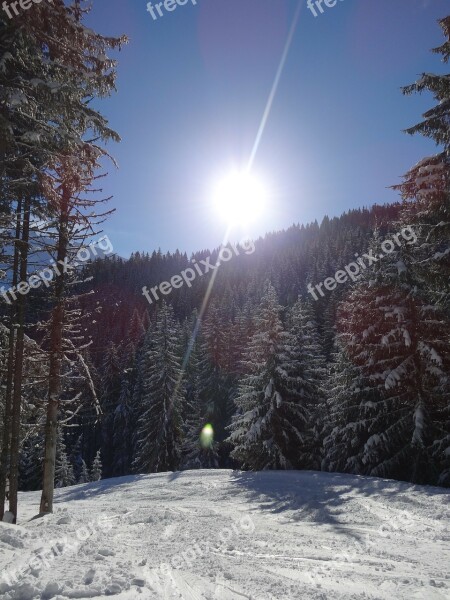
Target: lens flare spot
x,y
207,436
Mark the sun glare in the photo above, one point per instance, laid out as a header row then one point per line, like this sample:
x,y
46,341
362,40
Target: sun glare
x,y
240,198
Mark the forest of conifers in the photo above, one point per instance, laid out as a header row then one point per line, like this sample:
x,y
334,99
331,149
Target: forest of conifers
x,y
98,382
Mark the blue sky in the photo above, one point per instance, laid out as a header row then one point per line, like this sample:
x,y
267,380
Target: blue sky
x,y
192,89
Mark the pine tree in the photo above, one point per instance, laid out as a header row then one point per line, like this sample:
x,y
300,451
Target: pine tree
x,y
214,381
96,471
31,453
426,187
305,362
84,474
195,453
400,341
135,334
112,374
52,66
122,432
76,457
270,430
63,469
160,431
3,368
426,191
199,447
350,407
85,72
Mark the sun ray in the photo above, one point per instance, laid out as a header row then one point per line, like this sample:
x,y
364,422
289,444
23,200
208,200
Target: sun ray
x,y
274,89
249,167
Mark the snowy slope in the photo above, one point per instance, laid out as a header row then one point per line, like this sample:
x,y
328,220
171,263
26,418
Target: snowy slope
x,y
228,535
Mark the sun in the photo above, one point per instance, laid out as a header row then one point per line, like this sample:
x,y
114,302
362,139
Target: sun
x,y
240,197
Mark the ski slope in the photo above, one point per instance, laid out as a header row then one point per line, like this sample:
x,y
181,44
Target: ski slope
x,y
228,535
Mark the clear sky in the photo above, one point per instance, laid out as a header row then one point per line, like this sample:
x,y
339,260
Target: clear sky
x,y
192,89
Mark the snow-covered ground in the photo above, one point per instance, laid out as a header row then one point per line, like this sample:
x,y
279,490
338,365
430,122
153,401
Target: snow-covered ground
x,y
229,535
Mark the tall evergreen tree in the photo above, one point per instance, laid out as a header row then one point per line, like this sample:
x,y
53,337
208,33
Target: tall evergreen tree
x,y
63,469
270,429
84,475
110,399
135,334
87,73
401,342
97,468
31,453
426,191
76,456
160,431
196,415
122,436
214,379
51,66
305,362
426,187
351,405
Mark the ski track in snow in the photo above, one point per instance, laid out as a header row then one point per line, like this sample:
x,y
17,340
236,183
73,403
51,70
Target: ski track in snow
x,y
227,535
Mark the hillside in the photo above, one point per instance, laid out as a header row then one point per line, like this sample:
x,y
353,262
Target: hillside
x,y
290,259
204,535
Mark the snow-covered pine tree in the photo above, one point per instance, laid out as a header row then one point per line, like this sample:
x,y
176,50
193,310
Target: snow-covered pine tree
x,y
196,455
213,378
30,468
137,391
160,430
122,437
30,433
97,469
85,72
270,429
63,469
110,397
28,103
400,340
244,328
46,81
304,361
351,405
84,475
3,368
111,376
76,456
135,335
190,346
426,191
427,184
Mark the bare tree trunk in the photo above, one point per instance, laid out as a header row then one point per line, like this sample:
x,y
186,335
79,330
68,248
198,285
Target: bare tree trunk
x,y
18,365
4,455
55,360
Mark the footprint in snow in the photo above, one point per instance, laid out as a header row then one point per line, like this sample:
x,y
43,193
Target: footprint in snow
x,y
106,552
89,577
